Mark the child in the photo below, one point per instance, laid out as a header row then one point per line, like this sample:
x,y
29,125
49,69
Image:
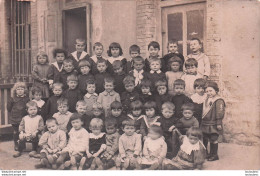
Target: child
x,y
98,50
68,69
114,53
91,97
40,72
109,95
130,94
173,52
136,108
190,76
146,94
56,67
155,148
51,142
63,116
162,96
16,107
201,58
73,94
130,144
99,77
153,49
84,68
199,97
97,145
213,113
119,76
191,154
188,120
149,119
134,51
175,72
112,137
30,127
179,99
37,98
77,144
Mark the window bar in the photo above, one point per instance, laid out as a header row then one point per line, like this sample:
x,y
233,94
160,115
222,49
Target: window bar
x,y
15,34
12,39
26,41
22,39
185,38
19,54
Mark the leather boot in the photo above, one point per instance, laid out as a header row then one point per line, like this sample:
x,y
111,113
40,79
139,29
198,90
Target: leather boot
x,y
214,155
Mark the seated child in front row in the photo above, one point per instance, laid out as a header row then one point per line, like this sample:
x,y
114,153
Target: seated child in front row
x,y
191,155
52,142
136,109
91,97
130,146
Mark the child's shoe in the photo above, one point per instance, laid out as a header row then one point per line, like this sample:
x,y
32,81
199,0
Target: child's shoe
x,y
15,145
39,166
67,164
32,153
214,151
73,168
17,154
213,158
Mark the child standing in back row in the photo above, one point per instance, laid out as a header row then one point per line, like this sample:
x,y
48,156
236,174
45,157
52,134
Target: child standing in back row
x,y
114,53
134,51
84,76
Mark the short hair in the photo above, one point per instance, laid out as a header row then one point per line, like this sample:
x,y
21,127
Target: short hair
x,y
194,131
212,84
172,41
36,89
57,85
43,54
138,58
98,106
135,48
145,83
68,61
191,62
155,59
128,122
162,82
59,50
109,79
83,63
90,81
157,129
175,59
31,104
62,101
117,64
179,82
200,82
168,105
99,61
97,44
51,120
154,44
16,85
72,78
81,40
96,123
111,121
197,40
188,106
150,105
114,45
75,116
136,105
116,105
129,80
81,103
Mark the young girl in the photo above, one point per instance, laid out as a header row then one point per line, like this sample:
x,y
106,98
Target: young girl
x,y
175,64
16,106
114,53
40,72
191,154
146,95
213,113
30,127
37,98
155,148
136,109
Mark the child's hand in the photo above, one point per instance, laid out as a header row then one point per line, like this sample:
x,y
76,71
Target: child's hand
x,y
171,128
109,157
50,151
95,155
89,155
219,127
22,136
144,138
205,77
34,134
137,131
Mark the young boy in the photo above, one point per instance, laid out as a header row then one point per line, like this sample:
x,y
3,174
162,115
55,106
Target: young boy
x,y
91,97
146,94
201,58
84,76
73,94
99,77
68,69
134,51
162,96
135,113
119,75
37,98
130,146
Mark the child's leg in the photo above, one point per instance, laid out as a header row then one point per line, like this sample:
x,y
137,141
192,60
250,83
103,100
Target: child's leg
x,y
99,164
126,164
35,141
21,144
154,166
118,163
62,158
74,160
82,163
175,146
213,147
93,164
15,135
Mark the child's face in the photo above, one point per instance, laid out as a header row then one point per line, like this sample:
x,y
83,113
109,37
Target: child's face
x,y
187,114
173,47
81,109
80,46
153,52
110,129
150,112
153,135
84,70
138,65
116,112
145,90
63,108
98,50
57,90
155,66
136,112
101,67
115,52
32,110
195,46
52,127
42,59
134,54
109,86
60,57
191,69
167,113
97,112
76,124
193,140
37,96
118,70
129,87
96,131
72,84
68,67
91,88
20,91
199,90
162,90
129,130
179,89
175,66
211,92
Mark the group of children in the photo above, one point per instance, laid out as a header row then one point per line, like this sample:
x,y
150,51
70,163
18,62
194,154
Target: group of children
x,y
155,113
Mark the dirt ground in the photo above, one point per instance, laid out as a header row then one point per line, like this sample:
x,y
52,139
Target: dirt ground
x,y
232,157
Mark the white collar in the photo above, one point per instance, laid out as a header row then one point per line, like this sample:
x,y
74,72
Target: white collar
x,y
88,95
94,58
92,136
159,71
83,54
196,98
153,122
138,72
56,65
187,147
112,59
133,118
67,113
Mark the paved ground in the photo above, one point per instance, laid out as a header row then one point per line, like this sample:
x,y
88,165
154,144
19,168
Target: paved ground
x,y
232,157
